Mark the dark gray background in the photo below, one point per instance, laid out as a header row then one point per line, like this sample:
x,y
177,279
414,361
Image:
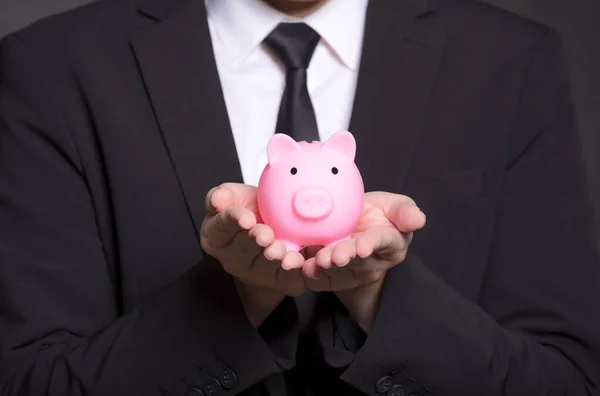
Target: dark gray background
x,y
577,20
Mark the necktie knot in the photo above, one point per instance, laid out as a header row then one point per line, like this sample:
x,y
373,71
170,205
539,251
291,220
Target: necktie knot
x,y
294,44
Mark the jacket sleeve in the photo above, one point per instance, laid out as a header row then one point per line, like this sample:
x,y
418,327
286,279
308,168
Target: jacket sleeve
x,y
535,328
60,330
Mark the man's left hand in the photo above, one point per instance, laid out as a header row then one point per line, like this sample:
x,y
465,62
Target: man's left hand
x,y
355,268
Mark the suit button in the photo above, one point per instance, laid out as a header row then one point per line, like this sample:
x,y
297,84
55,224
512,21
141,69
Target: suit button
x,y
383,385
228,379
194,392
212,388
396,390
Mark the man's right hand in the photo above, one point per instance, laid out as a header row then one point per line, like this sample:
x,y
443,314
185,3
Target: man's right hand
x,y
248,251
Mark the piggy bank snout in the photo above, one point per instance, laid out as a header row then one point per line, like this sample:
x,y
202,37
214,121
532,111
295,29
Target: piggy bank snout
x,y
312,203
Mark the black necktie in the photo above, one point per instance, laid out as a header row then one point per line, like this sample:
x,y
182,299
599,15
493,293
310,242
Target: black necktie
x,y
294,44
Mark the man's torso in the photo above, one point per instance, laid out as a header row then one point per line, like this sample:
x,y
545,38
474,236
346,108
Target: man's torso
x,y
435,108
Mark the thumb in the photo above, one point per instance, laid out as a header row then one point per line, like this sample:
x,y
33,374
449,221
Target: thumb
x,y
220,229
404,213
231,194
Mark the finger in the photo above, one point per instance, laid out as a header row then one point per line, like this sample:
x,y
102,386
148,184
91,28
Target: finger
x,y
218,198
311,270
385,242
208,202
231,194
404,214
292,260
275,251
323,258
366,243
262,234
220,229
238,258
343,252
242,248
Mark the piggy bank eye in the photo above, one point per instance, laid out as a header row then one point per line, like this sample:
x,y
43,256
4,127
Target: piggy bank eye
x,y
293,171
334,170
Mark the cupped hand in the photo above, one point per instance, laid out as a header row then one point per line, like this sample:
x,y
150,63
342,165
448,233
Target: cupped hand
x,y
232,233
379,242
355,268
247,250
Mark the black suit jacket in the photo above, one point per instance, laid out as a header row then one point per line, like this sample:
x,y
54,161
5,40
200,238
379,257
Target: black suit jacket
x,y
113,128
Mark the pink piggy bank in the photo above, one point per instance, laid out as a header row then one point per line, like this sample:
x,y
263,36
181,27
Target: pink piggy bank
x,y
311,194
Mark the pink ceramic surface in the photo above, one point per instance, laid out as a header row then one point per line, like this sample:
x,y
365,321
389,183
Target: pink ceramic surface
x,y
311,194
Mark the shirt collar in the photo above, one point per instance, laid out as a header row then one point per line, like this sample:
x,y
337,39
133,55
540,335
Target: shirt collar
x,y
242,25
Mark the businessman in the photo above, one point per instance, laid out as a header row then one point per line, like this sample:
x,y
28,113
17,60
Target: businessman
x,y
133,260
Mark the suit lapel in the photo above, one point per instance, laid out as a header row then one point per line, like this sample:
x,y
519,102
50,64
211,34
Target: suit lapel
x,y
401,53
176,59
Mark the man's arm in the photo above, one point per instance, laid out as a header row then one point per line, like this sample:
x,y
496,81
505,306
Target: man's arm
x,y
535,329
60,333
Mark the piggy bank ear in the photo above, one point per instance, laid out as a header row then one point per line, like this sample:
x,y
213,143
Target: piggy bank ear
x,y
279,146
343,142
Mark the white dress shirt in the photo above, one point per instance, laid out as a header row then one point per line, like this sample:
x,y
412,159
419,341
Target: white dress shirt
x,y
253,79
